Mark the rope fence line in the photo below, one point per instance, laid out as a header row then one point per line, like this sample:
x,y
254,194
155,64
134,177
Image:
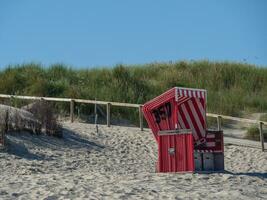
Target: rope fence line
x,y
130,105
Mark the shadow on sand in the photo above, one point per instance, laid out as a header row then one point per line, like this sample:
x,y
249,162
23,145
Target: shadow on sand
x,y
253,174
262,175
19,144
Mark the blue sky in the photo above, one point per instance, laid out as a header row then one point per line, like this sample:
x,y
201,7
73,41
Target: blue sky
x,y
105,33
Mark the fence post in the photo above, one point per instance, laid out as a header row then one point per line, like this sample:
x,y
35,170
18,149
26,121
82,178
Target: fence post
x,y
219,122
95,108
71,110
7,124
108,114
2,137
141,118
261,136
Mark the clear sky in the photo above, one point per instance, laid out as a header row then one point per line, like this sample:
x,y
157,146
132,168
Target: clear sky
x,y
90,33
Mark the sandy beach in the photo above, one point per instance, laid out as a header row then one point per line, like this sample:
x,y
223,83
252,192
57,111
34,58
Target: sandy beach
x,y
118,163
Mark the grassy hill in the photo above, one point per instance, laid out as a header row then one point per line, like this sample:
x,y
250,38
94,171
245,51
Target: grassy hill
x,y
233,88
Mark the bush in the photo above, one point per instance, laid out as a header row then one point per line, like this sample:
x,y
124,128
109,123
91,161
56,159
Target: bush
x,y
45,114
212,122
253,133
263,117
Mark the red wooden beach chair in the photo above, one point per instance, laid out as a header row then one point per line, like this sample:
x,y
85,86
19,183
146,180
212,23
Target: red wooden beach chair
x,y
183,109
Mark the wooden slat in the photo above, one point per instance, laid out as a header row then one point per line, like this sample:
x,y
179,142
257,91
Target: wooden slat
x,y
252,121
125,104
35,98
106,102
90,101
174,132
69,99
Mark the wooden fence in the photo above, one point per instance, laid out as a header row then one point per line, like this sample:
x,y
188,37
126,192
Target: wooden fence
x,y
73,101
137,106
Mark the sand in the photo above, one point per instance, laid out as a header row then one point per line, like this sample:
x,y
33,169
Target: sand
x,y
118,163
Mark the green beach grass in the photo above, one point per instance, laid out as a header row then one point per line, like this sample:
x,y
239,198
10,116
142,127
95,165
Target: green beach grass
x,y
233,88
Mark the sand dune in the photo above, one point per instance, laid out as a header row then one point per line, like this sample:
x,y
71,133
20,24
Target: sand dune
x,y
23,114
18,119
118,163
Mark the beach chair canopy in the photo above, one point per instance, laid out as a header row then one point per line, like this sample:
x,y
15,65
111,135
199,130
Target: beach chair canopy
x,y
178,108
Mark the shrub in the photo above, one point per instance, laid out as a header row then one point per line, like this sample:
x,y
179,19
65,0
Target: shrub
x,y
253,133
45,114
264,117
212,122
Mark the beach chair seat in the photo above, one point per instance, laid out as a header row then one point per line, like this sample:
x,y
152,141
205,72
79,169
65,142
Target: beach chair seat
x,y
214,142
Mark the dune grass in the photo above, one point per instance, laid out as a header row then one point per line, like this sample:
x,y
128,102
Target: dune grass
x,y
233,88
253,133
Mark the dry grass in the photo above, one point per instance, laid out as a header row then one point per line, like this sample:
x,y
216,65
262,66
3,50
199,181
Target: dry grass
x,y
45,114
253,133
